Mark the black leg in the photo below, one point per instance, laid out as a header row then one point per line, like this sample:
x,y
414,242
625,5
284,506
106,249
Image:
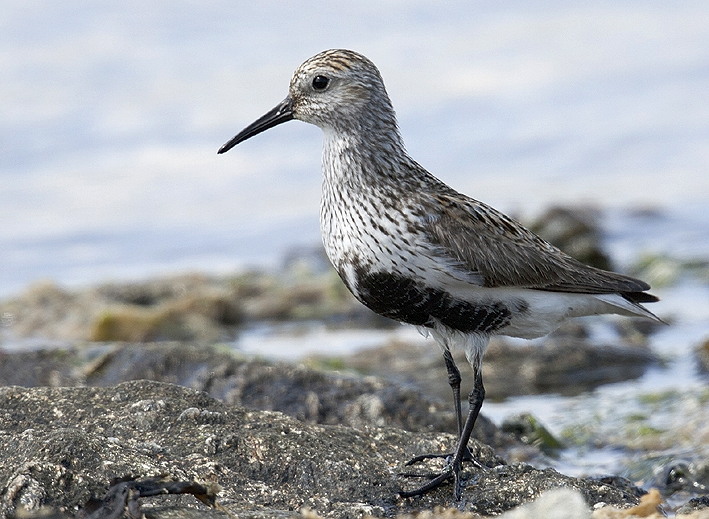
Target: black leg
x,y
475,401
454,381
462,453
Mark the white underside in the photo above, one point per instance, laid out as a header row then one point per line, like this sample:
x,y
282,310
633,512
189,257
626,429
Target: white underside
x,y
545,312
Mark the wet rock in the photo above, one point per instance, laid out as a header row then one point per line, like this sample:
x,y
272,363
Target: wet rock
x,y
60,447
702,354
679,475
47,308
576,232
43,367
124,496
622,483
567,366
635,332
187,318
661,270
188,307
296,294
695,504
566,362
529,431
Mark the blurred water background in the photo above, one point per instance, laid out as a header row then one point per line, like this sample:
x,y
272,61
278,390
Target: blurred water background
x,y
112,114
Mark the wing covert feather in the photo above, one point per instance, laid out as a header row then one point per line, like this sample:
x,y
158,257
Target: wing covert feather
x,y
503,253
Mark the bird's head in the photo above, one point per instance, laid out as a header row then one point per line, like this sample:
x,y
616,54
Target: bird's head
x,y
336,90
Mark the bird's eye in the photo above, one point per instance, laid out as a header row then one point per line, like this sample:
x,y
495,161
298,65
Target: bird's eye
x,y
320,82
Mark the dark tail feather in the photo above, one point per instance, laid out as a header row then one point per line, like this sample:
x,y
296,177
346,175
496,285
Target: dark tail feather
x,y
640,297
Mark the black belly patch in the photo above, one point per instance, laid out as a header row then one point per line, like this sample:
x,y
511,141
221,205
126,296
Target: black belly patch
x,y
406,300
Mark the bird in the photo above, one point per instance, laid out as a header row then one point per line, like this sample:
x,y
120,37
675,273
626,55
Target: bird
x,y
413,249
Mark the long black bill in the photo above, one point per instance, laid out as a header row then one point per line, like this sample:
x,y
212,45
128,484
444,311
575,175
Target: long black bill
x,y
280,114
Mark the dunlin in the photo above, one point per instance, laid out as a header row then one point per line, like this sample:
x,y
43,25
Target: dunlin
x,y
413,249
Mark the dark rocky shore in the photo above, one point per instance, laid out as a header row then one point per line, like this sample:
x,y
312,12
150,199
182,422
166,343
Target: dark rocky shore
x,y
125,399
331,443
63,446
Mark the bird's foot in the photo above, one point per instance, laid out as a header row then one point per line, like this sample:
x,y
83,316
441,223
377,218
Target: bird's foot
x,y
451,469
436,481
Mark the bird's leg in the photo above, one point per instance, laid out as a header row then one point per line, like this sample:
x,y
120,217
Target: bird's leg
x,y
452,469
475,401
454,379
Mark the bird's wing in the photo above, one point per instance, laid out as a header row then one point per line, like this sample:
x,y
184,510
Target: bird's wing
x,y
500,252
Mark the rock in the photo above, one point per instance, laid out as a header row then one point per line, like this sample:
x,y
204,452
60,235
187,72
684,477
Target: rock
x,y
60,447
576,232
661,270
650,505
188,307
701,353
562,503
566,362
311,395
564,365
528,430
694,505
187,318
679,475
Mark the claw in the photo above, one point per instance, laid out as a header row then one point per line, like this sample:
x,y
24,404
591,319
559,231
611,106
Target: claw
x,y
434,483
451,470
